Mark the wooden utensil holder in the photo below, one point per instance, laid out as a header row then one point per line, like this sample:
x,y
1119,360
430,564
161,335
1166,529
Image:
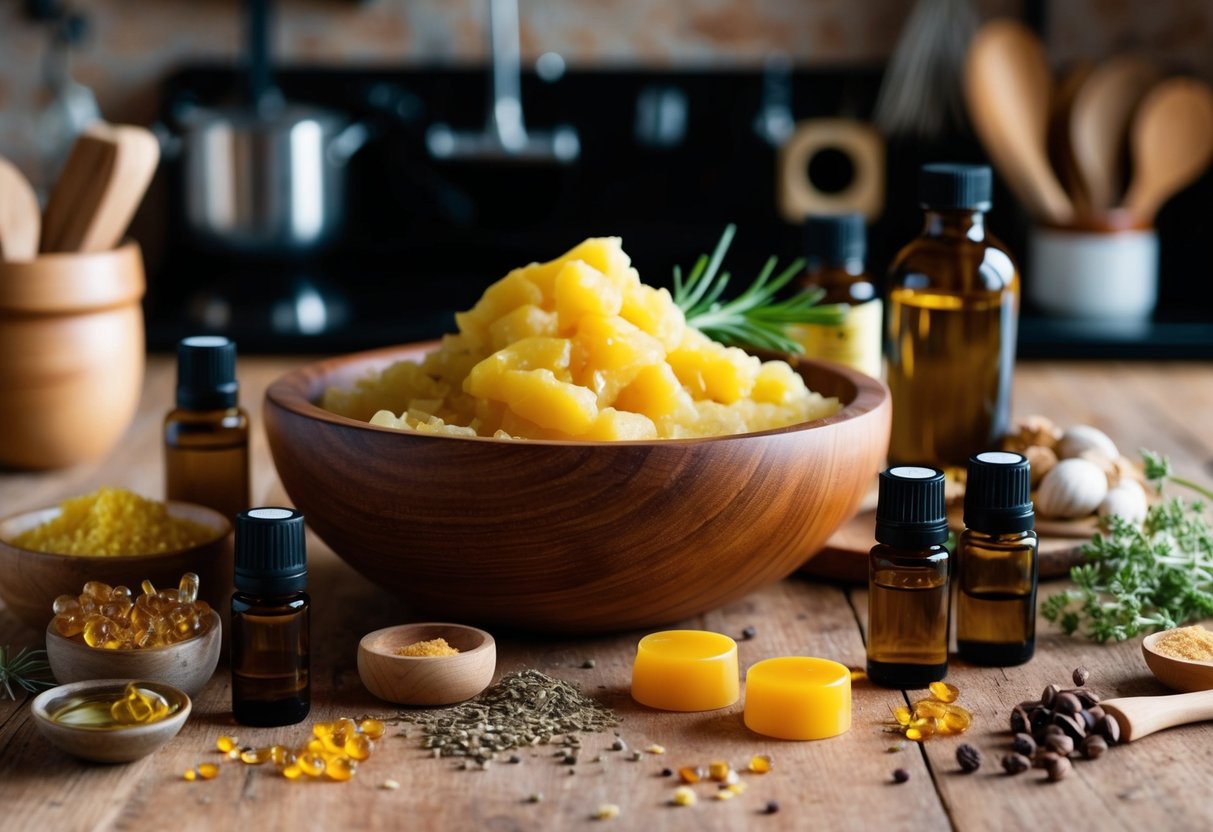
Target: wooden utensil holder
x,y
72,355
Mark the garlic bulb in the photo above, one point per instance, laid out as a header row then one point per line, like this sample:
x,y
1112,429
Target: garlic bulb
x,y
1074,488
1082,438
1126,501
1041,460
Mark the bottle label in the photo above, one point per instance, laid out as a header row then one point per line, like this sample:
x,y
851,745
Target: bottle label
x,y
855,342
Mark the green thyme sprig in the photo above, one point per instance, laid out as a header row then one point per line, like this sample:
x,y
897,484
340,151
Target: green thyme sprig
x,y
754,318
26,669
1138,580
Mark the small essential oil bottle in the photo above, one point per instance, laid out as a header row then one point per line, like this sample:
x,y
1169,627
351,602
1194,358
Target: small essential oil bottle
x,y
206,458
835,246
908,580
271,684
996,563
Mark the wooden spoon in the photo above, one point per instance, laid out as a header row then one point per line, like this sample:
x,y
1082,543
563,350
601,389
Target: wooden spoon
x,y
103,182
1007,89
1099,124
1140,716
1172,142
20,216
1061,147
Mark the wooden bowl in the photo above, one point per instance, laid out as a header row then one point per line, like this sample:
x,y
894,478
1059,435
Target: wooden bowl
x,y
187,665
427,680
1184,675
33,580
71,355
572,536
120,745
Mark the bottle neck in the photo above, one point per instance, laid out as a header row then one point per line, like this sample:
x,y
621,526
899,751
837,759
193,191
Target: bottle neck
x,y
954,223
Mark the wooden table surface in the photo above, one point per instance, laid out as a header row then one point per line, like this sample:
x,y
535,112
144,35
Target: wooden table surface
x,y
1160,782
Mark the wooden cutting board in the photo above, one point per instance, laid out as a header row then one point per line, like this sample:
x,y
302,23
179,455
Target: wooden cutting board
x,y
845,555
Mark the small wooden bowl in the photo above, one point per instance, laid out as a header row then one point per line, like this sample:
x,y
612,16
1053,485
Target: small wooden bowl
x,y
1178,674
187,665
427,680
72,355
119,745
572,537
33,580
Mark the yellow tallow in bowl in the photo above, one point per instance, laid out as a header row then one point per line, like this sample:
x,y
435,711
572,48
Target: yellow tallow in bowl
x,y
572,536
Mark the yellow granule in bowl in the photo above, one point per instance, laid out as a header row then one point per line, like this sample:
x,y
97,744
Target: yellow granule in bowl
x,y
113,521
1193,643
427,649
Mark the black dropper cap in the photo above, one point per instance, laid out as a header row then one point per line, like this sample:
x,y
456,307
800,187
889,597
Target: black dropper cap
x,y
910,512
998,493
831,239
206,373
271,557
962,187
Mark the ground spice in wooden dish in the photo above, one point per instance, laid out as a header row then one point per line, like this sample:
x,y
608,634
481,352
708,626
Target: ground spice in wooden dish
x,y
1193,643
425,649
524,708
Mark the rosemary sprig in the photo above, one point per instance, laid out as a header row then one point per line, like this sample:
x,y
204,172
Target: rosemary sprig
x,y
23,669
754,318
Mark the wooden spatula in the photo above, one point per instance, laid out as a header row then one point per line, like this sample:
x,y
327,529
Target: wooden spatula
x,y
101,185
1140,716
1172,142
20,217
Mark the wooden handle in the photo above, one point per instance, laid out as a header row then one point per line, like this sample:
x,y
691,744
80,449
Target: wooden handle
x,y
1140,716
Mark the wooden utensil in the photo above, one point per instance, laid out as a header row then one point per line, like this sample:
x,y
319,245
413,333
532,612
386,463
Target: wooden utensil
x,y
1172,142
103,182
1061,148
1177,674
20,216
1140,716
1099,124
1007,89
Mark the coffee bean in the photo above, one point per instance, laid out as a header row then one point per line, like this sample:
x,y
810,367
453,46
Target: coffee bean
x,y
1043,758
1024,744
1093,747
1020,723
968,758
1058,769
1015,763
1067,703
1050,692
1060,744
1109,728
1081,675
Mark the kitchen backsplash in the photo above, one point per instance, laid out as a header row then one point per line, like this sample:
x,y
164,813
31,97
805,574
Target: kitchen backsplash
x,y
134,44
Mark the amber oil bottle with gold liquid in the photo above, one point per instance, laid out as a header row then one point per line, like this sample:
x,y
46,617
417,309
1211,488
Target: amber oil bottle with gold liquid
x,y
908,573
953,312
996,563
271,634
834,249
206,437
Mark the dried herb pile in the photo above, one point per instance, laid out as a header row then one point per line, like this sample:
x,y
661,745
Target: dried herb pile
x,y
524,708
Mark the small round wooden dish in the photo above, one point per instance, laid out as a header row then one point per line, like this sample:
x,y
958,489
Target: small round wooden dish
x,y
187,665
1178,674
116,745
427,680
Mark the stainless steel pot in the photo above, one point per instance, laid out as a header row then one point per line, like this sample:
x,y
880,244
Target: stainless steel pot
x,y
266,182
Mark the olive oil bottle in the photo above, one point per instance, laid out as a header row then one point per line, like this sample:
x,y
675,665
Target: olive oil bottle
x,y
908,573
953,312
834,249
996,563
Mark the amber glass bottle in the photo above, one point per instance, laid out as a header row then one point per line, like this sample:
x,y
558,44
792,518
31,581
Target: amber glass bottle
x,y
206,436
834,249
271,683
908,580
996,563
952,319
